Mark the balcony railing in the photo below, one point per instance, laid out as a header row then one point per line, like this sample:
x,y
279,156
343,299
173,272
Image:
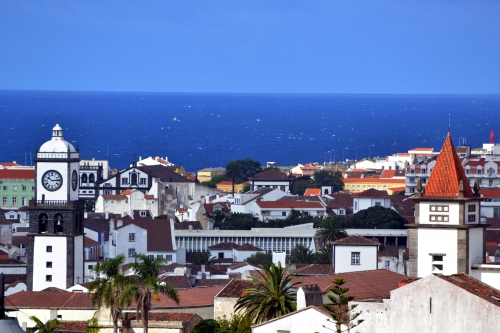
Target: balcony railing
x,y
57,204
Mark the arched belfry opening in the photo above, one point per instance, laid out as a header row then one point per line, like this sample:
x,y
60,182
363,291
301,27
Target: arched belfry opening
x,y
42,223
58,223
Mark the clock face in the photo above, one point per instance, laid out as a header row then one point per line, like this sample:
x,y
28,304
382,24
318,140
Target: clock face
x,y
52,180
74,180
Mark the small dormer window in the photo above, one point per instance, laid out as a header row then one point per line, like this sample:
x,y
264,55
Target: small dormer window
x,y
142,213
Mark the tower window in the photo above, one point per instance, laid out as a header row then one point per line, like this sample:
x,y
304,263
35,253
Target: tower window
x,y
48,278
91,178
48,264
437,262
142,213
84,178
58,223
49,248
472,208
42,223
472,218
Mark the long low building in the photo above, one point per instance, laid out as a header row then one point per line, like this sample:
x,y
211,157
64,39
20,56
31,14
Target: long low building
x,y
275,239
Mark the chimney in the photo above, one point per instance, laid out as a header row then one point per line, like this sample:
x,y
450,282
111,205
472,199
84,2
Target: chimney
x,y
309,295
106,215
203,275
190,227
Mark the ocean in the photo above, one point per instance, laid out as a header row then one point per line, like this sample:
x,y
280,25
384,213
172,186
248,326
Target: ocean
x,y
198,130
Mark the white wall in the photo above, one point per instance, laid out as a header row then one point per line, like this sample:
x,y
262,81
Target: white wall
x,y
437,241
425,212
227,253
342,258
123,244
309,320
58,256
242,255
78,260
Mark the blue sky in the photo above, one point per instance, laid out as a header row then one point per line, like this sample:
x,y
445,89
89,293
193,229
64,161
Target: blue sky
x,y
268,46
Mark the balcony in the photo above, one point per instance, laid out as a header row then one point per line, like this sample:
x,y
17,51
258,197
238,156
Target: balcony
x,y
60,204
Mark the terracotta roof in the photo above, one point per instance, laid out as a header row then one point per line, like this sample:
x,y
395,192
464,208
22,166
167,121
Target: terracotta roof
x,y
178,281
374,180
72,326
11,278
189,297
355,240
389,250
312,192
235,288
165,174
388,173
127,192
270,175
314,269
372,193
17,174
490,193
398,189
7,164
474,287
447,174
114,197
223,246
212,269
290,204
493,236
407,280
159,234
209,208
248,247
310,167
423,149
149,196
18,240
211,282
373,284
88,242
239,265
55,290
196,225
48,299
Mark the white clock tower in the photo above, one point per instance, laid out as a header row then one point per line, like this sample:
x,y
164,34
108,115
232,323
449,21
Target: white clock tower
x,y
55,248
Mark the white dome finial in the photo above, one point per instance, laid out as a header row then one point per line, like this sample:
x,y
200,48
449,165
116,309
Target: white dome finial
x,y
57,131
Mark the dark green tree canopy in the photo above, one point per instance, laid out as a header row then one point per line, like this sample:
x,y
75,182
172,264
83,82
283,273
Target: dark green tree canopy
x,y
260,258
376,217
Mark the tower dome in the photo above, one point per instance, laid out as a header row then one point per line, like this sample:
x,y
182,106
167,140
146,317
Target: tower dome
x,y
57,144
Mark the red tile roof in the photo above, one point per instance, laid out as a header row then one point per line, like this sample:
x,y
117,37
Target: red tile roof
x,y
164,316
447,173
211,282
314,269
490,193
374,180
388,173
355,240
196,225
312,192
235,288
270,175
178,281
88,242
248,247
372,193
407,280
127,192
48,299
19,174
474,287
189,297
223,246
72,326
114,197
209,208
289,204
159,234
374,284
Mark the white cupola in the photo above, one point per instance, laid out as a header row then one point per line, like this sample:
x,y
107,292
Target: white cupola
x,y
57,144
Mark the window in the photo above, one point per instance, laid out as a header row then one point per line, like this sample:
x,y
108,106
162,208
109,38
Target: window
x,y
14,201
472,208
341,212
23,188
84,178
32,188
91,178
437,263
4,201
23,201
49,248
221,255
131,237
48,264
159,256
411,180
283,213
479,171
48,278
169,257
151,256
440,208
439,218
4,188
142,213
142,181
131,253
496,212
387,264
378,203
423,171
355,258
472,218
124,181
490,182
134,179
467,171
90,266
14,188
355,205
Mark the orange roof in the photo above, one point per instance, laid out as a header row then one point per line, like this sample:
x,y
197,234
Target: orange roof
x,y
290,204
388,173
422,149
114,197
309,167
397,189
127,192
312,192
447,174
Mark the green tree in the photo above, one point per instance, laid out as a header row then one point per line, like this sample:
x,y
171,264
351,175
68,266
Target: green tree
x,y
236,324
376,217
234,173
90,205
323,256
341,311
272,296
302,255
204,258
110,288
214,181
92,325
148,286
245,188
301,184
206,326
40,327
330,229
260,258
249,167
238,222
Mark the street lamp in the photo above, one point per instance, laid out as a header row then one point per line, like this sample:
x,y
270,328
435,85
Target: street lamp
x,y
334,157
357,153
369,150
343,155
392,146
331,155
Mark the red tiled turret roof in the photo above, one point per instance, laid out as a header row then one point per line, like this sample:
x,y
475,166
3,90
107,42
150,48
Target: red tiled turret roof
x,y
447,174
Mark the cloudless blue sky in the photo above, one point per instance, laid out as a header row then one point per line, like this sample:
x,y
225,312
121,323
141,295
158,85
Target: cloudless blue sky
x,y
314,46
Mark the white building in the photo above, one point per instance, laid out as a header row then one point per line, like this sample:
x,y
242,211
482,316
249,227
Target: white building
x,y
245,203
126,202
354,254
272,179
370,198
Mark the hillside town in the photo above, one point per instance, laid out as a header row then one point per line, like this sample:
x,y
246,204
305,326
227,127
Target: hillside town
x,y
413,239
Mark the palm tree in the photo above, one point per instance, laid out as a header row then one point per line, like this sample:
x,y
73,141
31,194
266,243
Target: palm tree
x,y
110,289
233,172
302,255
148,286
273,295
40,327
204,258
323,256
330,230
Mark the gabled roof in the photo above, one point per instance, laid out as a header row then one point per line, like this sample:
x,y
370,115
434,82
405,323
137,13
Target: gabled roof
x,y
196,225
235,288
165,174
223,246
178,281
355,240
290,204
474,286
159,237
270,175
447,173
312,192
314,269
48,299
372,193
248,247
88,242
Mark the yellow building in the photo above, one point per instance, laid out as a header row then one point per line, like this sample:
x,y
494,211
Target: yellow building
x,y
205,175
227,186
356,185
